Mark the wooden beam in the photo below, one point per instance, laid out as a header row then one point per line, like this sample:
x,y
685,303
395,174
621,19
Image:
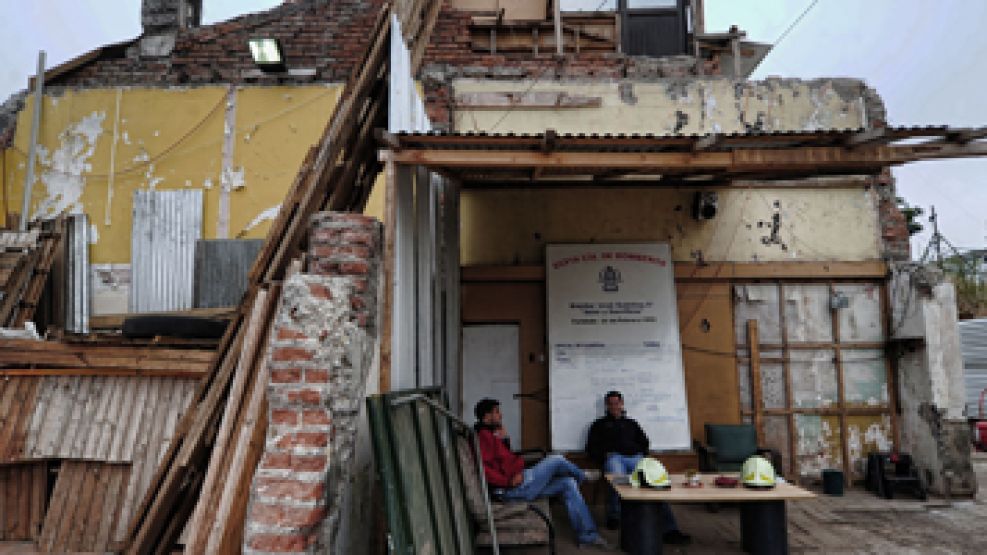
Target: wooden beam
x,y
707,142
866,136
757,396
532,100
812,159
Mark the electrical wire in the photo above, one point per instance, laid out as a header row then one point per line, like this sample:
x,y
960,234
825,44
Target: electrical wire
x,y
785,33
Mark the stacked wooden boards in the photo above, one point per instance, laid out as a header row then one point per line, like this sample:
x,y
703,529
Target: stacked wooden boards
x,y
25,262
24,357
220,436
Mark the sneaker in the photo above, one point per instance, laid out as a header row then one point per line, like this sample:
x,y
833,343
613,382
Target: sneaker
x,y
597,543
676,537
613,523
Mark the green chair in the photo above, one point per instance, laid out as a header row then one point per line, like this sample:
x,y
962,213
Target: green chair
x,y
729,445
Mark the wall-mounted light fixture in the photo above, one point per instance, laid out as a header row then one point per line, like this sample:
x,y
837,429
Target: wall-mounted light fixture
x,y
267,54
704,205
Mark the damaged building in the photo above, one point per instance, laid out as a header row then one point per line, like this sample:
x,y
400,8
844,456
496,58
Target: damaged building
x,y
395,210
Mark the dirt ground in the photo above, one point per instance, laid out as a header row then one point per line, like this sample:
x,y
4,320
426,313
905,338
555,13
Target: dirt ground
x,y
858,522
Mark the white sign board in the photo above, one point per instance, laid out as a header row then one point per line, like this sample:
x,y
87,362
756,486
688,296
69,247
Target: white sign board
x,y
613,324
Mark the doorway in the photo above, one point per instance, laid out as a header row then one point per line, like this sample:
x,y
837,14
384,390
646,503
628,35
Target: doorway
x,y
491,368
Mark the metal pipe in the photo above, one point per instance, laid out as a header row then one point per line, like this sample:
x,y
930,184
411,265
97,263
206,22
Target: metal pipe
x,y
32,153
476,453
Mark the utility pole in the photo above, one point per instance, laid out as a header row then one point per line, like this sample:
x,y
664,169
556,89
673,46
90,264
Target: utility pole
x,y
936,237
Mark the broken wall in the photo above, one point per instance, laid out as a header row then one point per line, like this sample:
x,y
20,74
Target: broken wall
x,y
312,491
241,147
930,371
662,106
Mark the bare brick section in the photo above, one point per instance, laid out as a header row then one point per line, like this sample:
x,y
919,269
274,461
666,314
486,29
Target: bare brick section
x,y
319,357
895,238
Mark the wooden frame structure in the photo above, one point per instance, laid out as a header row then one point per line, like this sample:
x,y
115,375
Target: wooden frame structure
x,y
545,160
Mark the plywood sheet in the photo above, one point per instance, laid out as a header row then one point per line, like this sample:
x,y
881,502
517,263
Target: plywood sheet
x,y
85,504
706,330
22,500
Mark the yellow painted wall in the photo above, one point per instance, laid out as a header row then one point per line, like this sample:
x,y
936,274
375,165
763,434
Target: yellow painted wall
x,y
700,106
513,227
167,139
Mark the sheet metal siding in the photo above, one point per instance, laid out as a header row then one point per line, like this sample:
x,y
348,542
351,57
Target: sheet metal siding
x,y
78,278
973,345
221,268
166,226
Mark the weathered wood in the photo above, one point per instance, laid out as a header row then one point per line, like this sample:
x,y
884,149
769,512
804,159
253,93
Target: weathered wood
x,y
757,396
244,374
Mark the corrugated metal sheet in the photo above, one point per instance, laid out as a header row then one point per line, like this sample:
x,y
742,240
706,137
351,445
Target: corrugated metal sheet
x,y
111,433
109,419
77,279
166,225
23,492
973,344
221,268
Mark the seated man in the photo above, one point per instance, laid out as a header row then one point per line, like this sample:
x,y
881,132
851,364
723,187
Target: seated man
x,y
617,444
553,475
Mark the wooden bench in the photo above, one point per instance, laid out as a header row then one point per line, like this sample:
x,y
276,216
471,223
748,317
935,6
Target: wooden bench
x,y
435,496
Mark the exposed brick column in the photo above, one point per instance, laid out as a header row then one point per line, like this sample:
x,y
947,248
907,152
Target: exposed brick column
x,y
322,338
895,238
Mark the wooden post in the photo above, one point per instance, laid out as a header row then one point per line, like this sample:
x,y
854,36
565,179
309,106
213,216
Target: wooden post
x,y
559,49
757,397
32,151
840,390
789,397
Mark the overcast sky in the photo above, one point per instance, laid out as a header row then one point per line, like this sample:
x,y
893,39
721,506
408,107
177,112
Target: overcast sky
x,y
927,59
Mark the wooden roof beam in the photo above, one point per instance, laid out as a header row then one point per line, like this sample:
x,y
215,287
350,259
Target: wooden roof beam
x,y
866,136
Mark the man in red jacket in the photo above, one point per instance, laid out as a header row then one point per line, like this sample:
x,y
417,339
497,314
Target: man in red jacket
x,y
552,476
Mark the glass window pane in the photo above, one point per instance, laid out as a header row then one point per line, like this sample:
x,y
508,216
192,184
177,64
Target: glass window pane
x,y
819,446
776,437
757,302
772,380
866,434
813,378
865,378
807,314
862,319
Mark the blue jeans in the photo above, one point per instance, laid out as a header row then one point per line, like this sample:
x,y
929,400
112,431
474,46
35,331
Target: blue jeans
x,y
616,463
554,475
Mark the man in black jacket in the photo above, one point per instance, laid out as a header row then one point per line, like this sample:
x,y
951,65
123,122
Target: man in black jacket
x,y
617,444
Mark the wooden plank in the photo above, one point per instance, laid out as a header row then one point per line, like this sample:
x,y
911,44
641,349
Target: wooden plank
x,y
387,296
841,392
115,321
789,396
757,401
534,100
239,470
249,348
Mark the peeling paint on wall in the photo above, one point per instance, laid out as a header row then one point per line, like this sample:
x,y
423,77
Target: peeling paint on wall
x,y
63,169
266,215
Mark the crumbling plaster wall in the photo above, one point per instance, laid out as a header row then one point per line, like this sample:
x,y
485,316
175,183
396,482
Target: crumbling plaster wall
x,y
313,489
930,375
242,147
668,106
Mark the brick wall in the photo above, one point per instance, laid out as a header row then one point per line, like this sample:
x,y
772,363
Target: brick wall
x,y
328,37
895,238
319,358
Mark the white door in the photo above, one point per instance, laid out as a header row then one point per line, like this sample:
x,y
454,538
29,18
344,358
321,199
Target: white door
x,y
491,368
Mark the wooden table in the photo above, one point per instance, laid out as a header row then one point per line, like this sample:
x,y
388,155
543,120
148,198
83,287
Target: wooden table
x,y
763,524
